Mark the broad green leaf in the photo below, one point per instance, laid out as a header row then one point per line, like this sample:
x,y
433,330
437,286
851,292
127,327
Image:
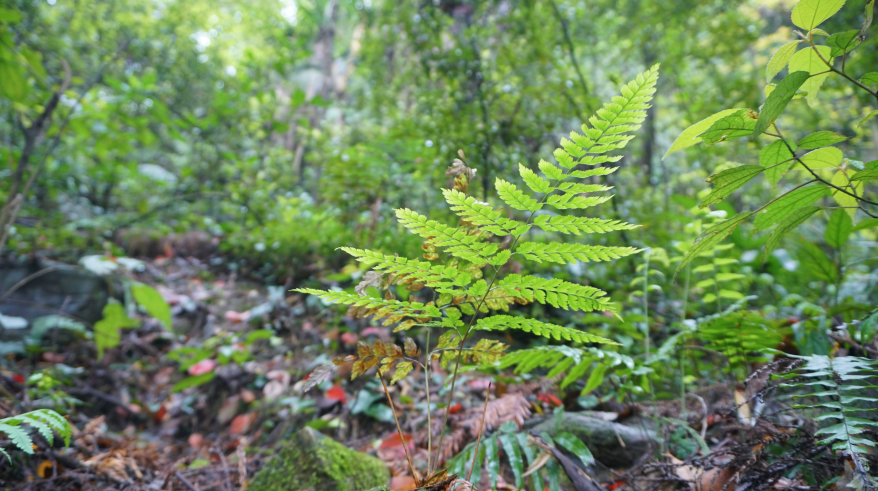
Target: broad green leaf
x,y
792,221
690,136
780,59
843,42
820,139
868,14
787,204
870,173
193,381
151,300
14,84
870,78
809,14
777,159
844,199
838,229
712,236
808,60
728,181
735,125
778,99
575,446
864,224
107,329
822,158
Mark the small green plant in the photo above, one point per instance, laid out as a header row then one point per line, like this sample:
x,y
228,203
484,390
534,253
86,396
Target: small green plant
x,y
44,421
784,161
466,264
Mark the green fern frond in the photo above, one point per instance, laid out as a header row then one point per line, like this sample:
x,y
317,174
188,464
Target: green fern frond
x,y
383,308
559,333
557,293
612,125
434,276
557,252
843,392
482,215
515,198
571,201
567,224
560,359
44,421
456,241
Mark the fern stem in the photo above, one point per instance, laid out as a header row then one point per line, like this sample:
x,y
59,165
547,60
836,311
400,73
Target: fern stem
x,y
405,446
481,430
429,407
646,309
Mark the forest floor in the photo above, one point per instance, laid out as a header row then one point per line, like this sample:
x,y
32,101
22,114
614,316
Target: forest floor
x,y
134,431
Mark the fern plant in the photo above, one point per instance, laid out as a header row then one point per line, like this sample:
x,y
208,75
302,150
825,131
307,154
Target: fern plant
x,y
826,171
464,263
843,394
45,421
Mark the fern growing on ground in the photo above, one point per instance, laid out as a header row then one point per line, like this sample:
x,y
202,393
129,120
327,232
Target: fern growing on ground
x,y
843,395
44,421
465,262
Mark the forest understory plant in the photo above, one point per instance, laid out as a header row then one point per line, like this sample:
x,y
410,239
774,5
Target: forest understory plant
x,y
466,272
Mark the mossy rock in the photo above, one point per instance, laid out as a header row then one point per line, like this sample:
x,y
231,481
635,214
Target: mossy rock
x,y
311,461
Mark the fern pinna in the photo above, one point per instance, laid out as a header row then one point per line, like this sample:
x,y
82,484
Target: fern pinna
x,y
469,283
44,421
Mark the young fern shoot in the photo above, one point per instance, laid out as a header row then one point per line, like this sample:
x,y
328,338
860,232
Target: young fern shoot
x,y
471,282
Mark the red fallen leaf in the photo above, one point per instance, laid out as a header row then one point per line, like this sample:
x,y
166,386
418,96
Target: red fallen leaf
x,y
394,440
18,378
160,414
402,483
337,394
247,396
610,486
456,408
202,367
549,399
195,440
241,424
349,337
237,317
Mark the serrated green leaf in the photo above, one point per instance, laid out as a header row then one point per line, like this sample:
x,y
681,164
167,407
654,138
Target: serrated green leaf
x,y
808,60
838,229
595,379
512,196
864,224
809,14
777,101
690,136
787,204
822,158
727,181
735,125
816,262
777,159
575,446
870,173
840,180
820,139
402,369
843,42
513,455
780,59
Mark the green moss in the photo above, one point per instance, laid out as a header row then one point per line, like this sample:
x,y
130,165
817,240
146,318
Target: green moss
x,y
311,461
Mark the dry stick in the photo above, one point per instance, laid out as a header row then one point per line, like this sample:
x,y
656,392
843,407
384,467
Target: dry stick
x,y
26,280
185,481
219,451
429,408
398,429
481,430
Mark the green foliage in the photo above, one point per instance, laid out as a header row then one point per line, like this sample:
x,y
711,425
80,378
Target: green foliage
x,y
107,333
151,301
839,389
45,421
808,68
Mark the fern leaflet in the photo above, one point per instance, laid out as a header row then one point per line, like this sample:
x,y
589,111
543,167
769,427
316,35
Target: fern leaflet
x,y
559,333
457,242
482,215
567,224
570,253
44,421
436,276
